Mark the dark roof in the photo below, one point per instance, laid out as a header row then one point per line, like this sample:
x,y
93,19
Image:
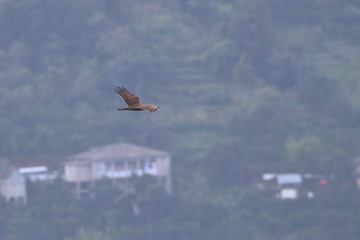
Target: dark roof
x,y
52,161
356,160
7,172
117,151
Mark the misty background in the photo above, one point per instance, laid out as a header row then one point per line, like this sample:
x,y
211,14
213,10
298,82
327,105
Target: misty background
x,y
244,87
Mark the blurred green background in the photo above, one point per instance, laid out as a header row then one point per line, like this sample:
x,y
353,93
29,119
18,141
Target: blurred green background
x,y
244,87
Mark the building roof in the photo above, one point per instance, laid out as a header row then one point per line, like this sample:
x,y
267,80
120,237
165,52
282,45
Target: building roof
x,y
5,172
30,170
117,151
8,173
290,178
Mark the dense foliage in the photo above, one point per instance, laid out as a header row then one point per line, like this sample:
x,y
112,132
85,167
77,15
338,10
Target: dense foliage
x,y
241,84
237,213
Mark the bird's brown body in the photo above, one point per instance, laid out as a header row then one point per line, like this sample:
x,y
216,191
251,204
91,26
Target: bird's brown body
x,y
133,101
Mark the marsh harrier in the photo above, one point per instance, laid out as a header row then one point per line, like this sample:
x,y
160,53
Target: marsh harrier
x,y
133,101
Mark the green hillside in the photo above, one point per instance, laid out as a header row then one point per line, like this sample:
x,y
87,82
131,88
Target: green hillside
x,y
240,84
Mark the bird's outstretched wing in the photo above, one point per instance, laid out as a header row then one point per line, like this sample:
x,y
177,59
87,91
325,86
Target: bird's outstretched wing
x,y
129,98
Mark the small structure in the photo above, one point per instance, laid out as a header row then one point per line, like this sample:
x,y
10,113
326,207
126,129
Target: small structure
x,y
356,162
117,162
289,179
37,173
285,185
12,185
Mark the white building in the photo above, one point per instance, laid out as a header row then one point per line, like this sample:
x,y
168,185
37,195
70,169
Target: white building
x,y
12,185
117,162
37,173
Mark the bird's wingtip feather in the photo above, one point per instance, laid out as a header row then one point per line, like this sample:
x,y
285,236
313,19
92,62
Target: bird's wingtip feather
x,y
117,89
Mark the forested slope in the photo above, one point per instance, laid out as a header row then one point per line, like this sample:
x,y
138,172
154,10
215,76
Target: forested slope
x,y
239,83
259,72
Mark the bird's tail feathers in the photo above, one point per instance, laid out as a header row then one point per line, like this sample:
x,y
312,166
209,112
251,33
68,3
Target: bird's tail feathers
x,y
121,109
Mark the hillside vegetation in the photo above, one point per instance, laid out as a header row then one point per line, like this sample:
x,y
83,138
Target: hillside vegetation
x,y
240,84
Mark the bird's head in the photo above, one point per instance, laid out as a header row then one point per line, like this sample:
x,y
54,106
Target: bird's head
x,y
154,108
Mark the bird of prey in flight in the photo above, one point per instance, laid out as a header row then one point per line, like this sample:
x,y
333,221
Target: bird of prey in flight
x,y
133,101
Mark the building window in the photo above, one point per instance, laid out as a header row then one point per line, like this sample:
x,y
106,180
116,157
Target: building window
x,y
84,185
132,165
120,165
109,165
